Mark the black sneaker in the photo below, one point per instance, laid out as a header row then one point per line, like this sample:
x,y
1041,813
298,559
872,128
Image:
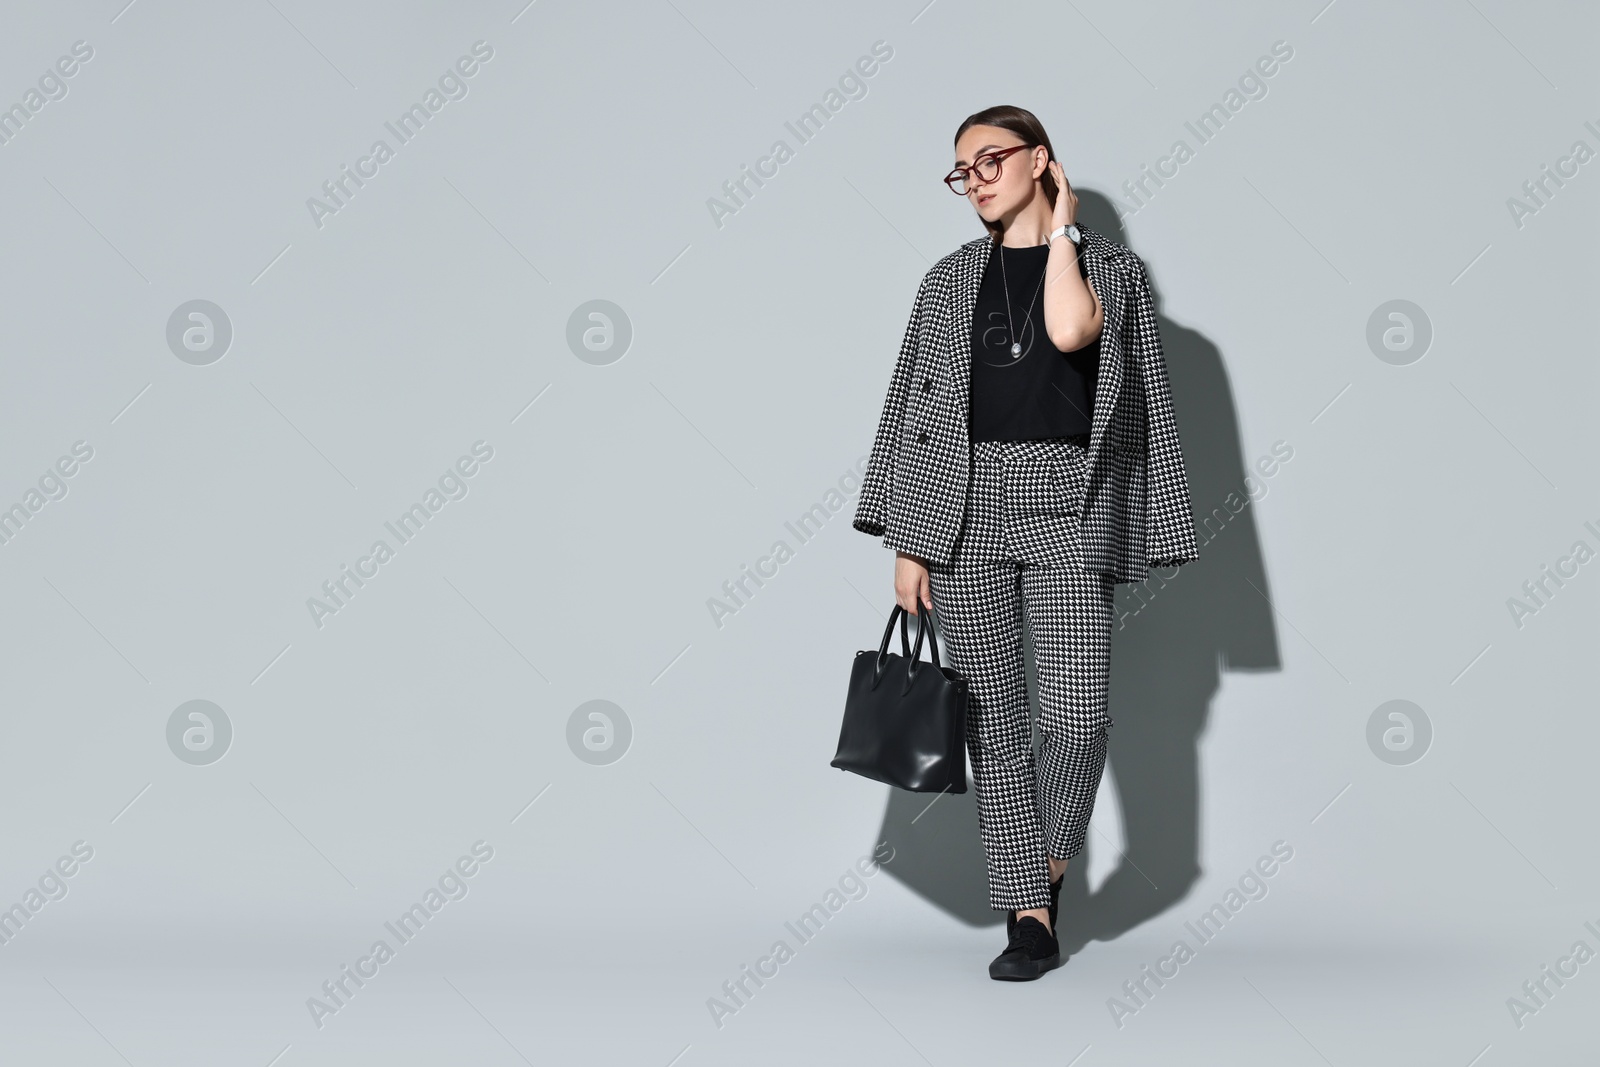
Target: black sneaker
x,y
1055,905
1030,951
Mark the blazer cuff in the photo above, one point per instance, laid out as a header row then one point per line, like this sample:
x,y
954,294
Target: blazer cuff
x,y
870,527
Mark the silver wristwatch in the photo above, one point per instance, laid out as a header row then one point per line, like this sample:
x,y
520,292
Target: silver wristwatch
x,y
1071,231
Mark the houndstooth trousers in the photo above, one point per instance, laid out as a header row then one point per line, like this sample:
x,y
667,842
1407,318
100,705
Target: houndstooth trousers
x,y
1018,551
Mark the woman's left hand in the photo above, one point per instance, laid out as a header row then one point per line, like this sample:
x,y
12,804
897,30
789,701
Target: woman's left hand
x,y
1066,210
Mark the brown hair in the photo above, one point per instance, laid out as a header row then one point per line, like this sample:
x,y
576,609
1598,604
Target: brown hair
x,y
1025,125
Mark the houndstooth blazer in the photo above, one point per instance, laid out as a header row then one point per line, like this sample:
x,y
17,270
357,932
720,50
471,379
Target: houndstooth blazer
x,y
1129,496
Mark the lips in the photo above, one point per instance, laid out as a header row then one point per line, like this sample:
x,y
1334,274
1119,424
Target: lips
x,y
985,198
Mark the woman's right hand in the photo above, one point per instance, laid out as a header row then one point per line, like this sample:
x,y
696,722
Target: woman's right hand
x,y
911,583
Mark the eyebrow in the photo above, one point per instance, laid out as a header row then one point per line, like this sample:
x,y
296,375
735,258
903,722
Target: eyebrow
x,y
979,152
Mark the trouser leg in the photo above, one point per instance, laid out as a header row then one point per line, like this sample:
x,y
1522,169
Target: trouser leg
x,y
978,608
1069,618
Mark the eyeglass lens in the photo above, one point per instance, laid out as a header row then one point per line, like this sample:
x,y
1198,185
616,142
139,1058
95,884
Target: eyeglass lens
x,y
987,167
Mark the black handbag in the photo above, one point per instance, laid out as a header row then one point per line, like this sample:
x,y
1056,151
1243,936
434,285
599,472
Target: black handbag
x,y
905,721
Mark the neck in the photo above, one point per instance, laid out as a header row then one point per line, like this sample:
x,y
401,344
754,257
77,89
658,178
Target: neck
x,y
1031,223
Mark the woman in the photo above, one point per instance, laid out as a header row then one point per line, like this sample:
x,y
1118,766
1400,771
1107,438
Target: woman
x,y
1026,461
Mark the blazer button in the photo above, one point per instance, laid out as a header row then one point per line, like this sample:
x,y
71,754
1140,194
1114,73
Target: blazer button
x,y
922,438
927,385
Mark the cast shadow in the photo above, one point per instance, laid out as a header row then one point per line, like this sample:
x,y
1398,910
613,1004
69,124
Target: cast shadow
x,y
1171,642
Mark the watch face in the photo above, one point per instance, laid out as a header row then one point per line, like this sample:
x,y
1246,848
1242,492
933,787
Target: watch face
x,y
1074,233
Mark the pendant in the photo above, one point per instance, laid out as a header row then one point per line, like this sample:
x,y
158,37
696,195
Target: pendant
x,y
1016,348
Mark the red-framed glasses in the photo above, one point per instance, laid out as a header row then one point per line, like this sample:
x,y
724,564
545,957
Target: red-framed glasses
x,y
986,167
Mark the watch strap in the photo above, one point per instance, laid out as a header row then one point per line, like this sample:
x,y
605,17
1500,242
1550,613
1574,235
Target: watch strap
x,y
1064,231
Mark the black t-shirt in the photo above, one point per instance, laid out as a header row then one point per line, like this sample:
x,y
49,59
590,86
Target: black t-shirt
x,y
1039,391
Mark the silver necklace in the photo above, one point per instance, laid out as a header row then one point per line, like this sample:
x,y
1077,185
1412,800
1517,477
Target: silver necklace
x,y
1016,345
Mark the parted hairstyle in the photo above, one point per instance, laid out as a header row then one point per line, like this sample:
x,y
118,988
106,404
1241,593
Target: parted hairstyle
x,y
1025,125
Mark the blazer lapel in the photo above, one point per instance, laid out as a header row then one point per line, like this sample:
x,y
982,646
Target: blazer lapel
x,y
964,299
1109,287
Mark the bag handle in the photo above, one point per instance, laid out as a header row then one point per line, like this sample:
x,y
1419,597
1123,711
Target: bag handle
x,y
914,654
924,623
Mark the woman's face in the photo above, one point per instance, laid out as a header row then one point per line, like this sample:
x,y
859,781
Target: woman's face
x,y
1014,187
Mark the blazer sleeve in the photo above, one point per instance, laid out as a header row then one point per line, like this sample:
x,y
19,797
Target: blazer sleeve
x,y
1169,535
872,507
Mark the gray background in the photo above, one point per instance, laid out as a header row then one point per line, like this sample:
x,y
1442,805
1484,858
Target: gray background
x,y
432,312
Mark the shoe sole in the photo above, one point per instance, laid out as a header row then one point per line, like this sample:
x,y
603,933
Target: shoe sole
x,y
1025,970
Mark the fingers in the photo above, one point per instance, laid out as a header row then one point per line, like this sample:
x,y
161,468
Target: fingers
x,y
912,588
913,594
